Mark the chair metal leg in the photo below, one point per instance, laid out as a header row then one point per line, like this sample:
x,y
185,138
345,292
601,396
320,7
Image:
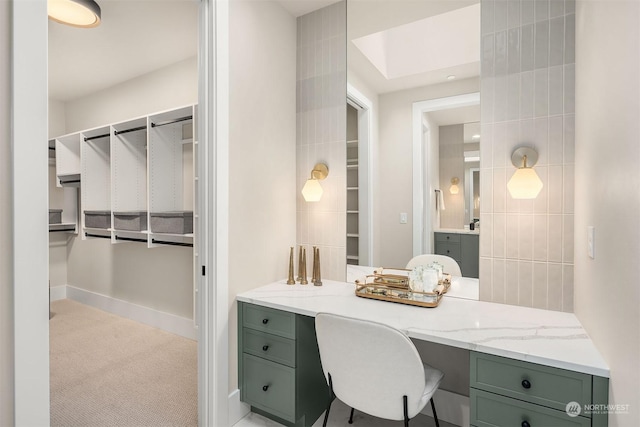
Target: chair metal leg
x,y
331,396
435,416
406,411
351,417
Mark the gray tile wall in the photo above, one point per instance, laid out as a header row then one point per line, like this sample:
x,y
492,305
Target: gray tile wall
x,y
527,89
321,135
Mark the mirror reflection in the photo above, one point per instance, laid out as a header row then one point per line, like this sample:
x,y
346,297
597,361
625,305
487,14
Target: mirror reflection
x,y
399,54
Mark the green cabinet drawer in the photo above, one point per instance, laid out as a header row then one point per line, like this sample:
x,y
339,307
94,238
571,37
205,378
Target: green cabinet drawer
x,y
488,409
449,249
269,346
447,237
269,320
270,386
542,385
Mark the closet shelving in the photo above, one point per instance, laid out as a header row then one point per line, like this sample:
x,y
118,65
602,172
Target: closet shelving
x,y
352,187
64,152
132,169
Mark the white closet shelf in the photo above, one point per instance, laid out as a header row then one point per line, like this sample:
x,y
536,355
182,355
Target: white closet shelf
x,y
355,235
68,227
352,257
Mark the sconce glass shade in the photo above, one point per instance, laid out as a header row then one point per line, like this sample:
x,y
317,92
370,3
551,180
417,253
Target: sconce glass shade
x,y
77,13
454,189
525,184
312,190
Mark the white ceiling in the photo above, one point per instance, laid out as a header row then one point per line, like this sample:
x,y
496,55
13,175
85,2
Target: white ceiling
x,y
366,17
137,37
134,38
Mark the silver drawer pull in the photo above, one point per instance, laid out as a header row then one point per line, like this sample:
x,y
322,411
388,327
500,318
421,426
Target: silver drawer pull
x,y
265,321
526,384
265,387
265,347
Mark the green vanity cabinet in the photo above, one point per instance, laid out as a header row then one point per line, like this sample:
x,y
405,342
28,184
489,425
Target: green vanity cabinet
x,y
464,248
279,369
508,392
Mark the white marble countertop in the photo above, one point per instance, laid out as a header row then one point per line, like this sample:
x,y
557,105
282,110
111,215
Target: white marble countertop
x,y
539,336
457,230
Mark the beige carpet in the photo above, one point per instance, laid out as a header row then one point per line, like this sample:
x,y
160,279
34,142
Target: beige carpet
x,y
110,371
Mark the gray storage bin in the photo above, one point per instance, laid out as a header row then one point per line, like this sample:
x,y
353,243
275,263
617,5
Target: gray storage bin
x,y
176,222
130,220
97,219
55,216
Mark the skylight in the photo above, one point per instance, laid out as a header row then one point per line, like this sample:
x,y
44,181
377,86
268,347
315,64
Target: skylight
x,y
435,43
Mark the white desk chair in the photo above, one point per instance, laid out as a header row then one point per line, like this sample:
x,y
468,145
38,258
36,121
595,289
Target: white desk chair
x,y
374,368
449,264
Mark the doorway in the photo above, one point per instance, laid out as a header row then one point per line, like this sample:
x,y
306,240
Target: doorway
x,y
29,106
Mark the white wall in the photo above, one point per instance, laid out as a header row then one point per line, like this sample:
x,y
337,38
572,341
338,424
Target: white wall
x,y
159,278
393,190
607,295
452,165
6,230
173,86
262,157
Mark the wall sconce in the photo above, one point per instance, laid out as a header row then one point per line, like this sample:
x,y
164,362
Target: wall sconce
x,y
312,190
454,189
77,13
525,182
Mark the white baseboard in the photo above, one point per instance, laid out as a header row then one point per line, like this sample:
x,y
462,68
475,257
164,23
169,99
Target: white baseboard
x,y
57,292
451,407
237,409
158,319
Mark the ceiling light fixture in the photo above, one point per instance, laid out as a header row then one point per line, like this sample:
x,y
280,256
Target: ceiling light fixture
x,y
451,77
76,13
476,136
525,182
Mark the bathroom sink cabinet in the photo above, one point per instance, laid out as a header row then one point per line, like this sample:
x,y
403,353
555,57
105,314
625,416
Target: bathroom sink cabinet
x,y
279,369
464,248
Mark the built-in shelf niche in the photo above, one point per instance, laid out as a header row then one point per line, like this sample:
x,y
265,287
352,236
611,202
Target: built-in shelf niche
x,y
352,187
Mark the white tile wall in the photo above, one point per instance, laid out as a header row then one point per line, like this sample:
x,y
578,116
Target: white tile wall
x,y
528,91
321,135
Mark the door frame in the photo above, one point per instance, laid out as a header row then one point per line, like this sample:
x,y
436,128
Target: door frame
x,y
365,176
423,189
29,106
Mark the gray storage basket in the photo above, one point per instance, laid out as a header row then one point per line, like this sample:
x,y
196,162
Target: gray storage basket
x,y
130,220
176,222
97,219
55,216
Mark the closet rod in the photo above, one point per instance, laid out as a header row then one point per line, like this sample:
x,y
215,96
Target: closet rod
x,y
66,230
97,235
118,132
168,122
130,239
52,148
97,137
163,242
71,181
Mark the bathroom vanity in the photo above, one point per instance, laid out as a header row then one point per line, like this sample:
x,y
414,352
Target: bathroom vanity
x,y
461,245
528,366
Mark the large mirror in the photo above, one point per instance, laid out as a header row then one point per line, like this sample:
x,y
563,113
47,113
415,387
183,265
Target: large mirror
x,y
412,126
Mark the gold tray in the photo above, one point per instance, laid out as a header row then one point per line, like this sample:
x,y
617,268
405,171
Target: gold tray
x,y
390,288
